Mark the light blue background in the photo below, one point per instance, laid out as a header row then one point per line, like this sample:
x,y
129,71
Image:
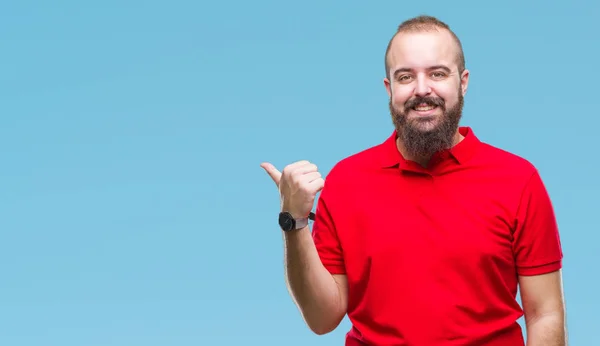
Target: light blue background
x,y
133,208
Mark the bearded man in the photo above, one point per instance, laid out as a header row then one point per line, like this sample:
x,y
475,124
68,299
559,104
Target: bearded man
x,y
424,238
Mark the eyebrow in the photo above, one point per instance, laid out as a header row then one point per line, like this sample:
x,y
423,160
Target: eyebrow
x,y
435,67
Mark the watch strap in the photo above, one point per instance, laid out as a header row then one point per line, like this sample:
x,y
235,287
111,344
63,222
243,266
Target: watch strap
x,y
301,223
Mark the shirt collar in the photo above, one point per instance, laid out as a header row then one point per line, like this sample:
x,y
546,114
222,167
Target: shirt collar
x,y
462,152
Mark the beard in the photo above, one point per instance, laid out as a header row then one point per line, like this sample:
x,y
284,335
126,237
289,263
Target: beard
x,y
418,137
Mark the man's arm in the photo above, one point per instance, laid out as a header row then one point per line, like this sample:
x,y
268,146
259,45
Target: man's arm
x,y
321,297
538,254
543,302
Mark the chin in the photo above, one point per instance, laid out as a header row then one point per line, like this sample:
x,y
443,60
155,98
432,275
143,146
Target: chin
x,y
424,124
425,128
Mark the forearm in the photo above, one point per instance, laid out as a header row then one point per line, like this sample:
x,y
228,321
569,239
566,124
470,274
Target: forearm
x,y
312,287
547,330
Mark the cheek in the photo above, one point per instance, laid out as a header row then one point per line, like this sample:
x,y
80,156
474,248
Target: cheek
x,y
448,94
451,99
399,98
451,92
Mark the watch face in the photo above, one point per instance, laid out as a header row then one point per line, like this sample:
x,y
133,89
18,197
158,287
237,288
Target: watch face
x,y
286,221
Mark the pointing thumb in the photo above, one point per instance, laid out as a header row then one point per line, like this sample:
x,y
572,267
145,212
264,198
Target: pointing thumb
x,y
272,171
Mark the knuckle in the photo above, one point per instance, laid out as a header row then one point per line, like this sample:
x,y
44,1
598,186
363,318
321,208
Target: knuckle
x,y
287,170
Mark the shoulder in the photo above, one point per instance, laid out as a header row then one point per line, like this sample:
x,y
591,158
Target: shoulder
x,y
505,160
506,170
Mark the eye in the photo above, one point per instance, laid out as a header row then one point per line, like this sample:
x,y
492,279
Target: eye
x,y
438,75
404,78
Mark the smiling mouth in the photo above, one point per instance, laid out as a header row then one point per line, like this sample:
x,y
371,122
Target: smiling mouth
x,y
424,110
424,107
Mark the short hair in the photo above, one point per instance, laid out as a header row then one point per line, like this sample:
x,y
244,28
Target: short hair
x,y
426,23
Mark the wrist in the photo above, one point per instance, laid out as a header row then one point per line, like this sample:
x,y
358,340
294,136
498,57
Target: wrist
x,y
294,212
290,222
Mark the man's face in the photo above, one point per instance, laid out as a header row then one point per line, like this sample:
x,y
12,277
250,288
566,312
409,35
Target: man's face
x,y
426,90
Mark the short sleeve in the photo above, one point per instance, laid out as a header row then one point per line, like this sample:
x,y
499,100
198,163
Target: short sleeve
x,y
325,237
536,241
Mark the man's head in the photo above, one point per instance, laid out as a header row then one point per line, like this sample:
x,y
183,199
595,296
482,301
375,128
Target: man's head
x,y
426,81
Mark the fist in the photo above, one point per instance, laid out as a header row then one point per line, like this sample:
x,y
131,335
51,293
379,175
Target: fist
x,y
298,186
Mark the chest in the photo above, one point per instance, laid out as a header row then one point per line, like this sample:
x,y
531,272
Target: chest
x,y
430,225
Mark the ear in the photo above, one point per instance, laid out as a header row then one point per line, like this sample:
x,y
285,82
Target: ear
x,y
464,81
388,86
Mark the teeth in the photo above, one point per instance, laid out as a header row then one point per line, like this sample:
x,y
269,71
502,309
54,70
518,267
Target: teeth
x,y
424,108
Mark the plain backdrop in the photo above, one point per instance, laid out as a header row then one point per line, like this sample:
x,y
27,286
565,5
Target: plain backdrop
x,y
133,210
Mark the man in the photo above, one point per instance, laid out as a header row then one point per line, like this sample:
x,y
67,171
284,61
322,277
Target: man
x,y
424,239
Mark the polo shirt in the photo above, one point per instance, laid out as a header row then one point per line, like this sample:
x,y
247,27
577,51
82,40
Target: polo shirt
x,y
432,255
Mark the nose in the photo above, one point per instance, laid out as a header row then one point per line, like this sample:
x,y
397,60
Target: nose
x,y
422,87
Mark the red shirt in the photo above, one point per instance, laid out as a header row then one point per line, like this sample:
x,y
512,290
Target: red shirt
x,y
433,255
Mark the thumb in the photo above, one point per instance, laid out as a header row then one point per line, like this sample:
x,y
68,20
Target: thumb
x,y
272,171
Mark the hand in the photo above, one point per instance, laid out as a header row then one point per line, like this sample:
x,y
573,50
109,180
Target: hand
x,y
298,186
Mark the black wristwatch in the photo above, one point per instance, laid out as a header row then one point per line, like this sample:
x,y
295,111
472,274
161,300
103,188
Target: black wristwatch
x,y
288,223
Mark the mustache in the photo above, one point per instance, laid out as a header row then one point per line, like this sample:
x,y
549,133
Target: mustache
x,y
430,101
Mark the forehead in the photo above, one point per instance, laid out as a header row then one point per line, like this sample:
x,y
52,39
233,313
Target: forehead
x,y
420,50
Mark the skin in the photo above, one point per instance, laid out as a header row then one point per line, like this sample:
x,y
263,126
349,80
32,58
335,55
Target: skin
x,y
421,64
322,298
424,64
544,308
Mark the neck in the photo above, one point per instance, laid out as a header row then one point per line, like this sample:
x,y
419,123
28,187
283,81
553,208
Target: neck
x,y
424,159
